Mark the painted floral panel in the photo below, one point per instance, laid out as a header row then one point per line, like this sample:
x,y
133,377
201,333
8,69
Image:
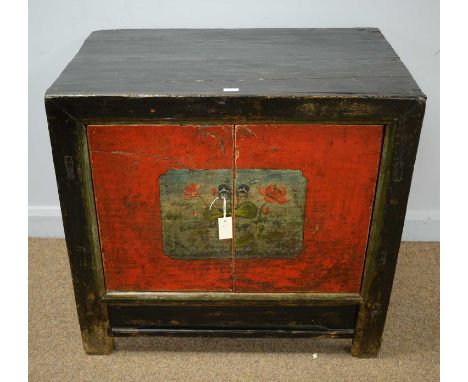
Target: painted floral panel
x,y
269,218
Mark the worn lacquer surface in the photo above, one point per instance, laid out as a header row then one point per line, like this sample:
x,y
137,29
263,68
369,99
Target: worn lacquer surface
x,y
272,62
302,226
340,163
127,162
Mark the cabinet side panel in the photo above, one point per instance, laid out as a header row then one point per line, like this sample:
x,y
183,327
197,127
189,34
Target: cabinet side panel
x,y
340,166
128,165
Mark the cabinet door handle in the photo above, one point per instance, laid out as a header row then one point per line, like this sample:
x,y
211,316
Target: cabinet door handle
x,y
243,191
224,191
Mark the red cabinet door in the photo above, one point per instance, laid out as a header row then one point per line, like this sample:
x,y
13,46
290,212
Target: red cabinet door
x,y
147,187
313,187
302,198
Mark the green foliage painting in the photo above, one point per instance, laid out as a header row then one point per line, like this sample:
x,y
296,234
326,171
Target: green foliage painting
x,y
275,229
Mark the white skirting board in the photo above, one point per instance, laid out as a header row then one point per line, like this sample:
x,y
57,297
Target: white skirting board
x,y
422,226
46,221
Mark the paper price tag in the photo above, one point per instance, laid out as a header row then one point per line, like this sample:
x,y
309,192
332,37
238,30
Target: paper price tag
x,y
225,228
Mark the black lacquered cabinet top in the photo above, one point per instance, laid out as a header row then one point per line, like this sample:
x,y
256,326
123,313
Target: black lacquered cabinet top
x,y
257,62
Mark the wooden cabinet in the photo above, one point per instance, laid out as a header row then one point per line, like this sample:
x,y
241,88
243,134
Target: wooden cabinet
x,y
306,139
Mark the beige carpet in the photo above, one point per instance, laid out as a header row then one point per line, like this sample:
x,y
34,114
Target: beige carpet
x,y
410,350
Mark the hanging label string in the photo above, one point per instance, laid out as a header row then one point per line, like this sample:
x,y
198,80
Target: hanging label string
x,y
211,205
224,206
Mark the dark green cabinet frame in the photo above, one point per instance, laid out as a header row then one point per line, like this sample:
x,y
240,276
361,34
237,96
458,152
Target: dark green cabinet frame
x,y
68,117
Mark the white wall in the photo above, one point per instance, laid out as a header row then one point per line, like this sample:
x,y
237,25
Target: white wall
x,y
57,28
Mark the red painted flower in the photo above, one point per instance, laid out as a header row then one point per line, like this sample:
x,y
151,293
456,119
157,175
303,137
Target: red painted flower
x,y
191,191
274,194
266,210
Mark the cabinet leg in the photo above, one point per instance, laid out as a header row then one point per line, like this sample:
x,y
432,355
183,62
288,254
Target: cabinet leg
x,y
94,324
369,329
97,341
365,347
